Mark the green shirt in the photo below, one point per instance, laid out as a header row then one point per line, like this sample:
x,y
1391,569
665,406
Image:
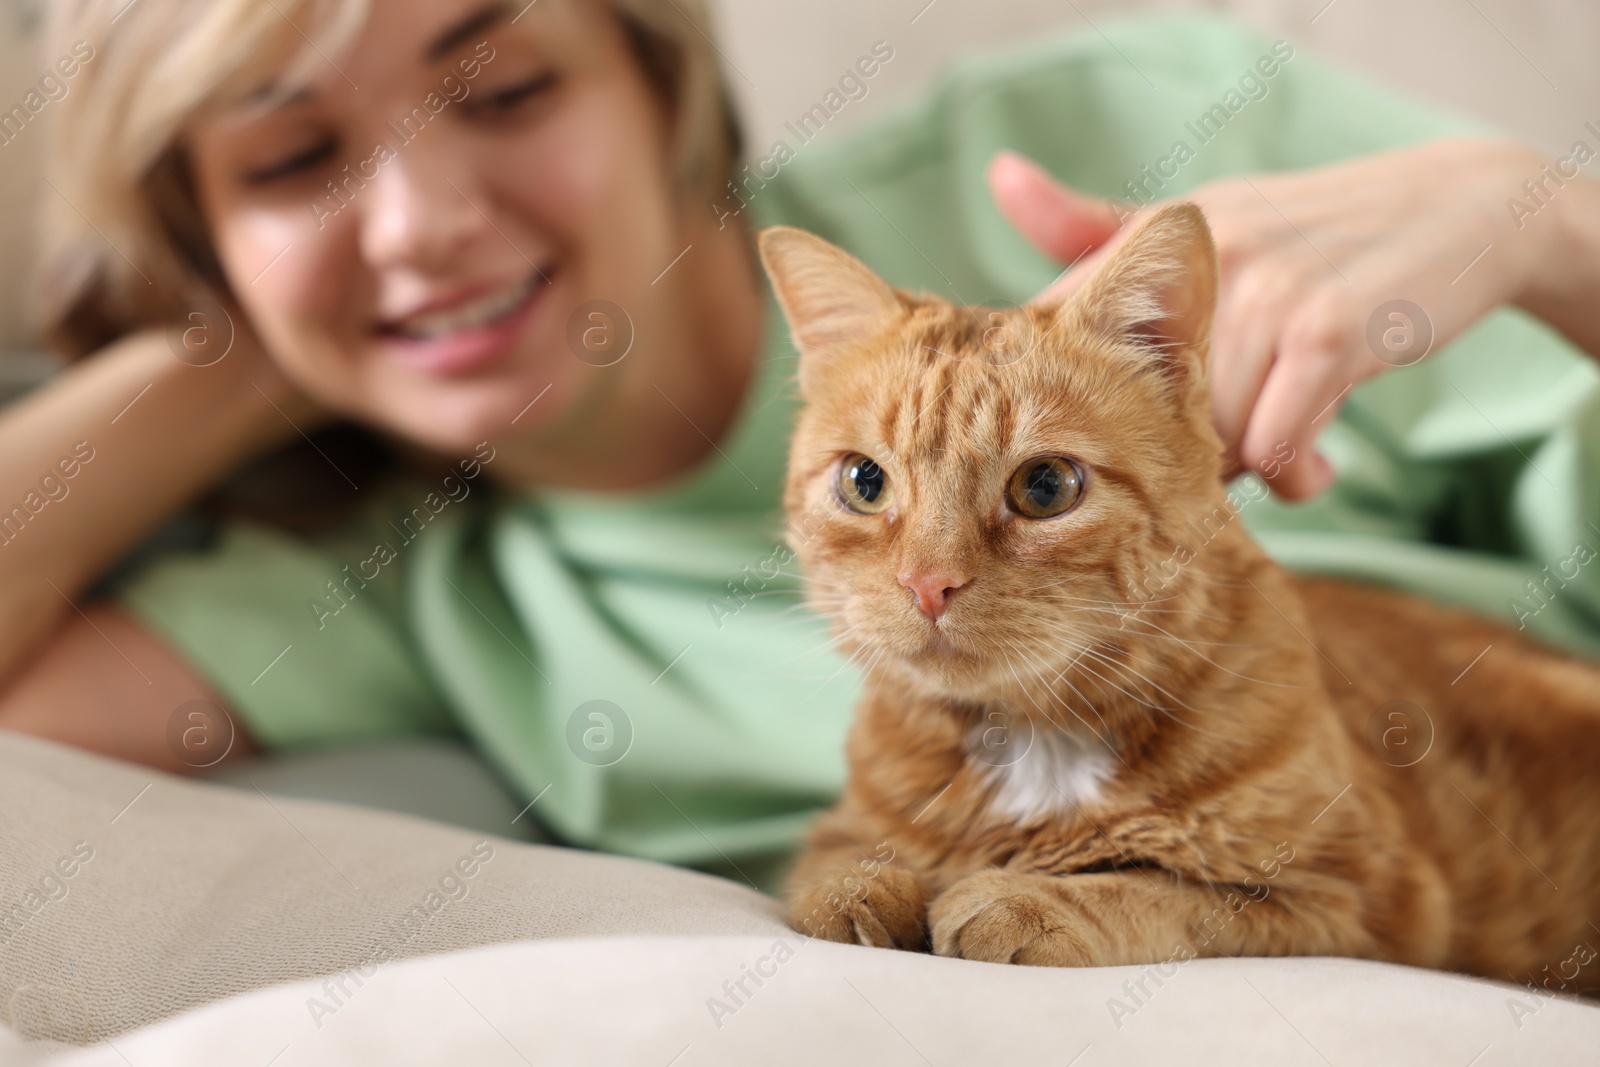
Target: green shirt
x,y
505,614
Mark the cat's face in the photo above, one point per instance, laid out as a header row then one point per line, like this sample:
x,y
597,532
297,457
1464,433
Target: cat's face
x,y
977,496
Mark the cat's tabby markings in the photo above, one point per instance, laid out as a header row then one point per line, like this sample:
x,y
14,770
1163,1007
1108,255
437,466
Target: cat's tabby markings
x,y
996,486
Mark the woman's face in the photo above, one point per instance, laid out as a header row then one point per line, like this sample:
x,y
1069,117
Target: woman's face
x,y
410,236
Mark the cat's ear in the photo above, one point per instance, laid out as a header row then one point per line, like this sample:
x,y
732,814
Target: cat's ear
x,y
832,300
1159,290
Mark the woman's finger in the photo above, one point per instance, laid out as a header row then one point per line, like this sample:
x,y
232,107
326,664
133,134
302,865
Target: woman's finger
x,y
1280,442
1308,381
1061,223
1244,338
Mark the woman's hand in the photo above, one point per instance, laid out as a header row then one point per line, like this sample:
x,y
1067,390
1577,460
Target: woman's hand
x,y
288,410
216,339
1312,264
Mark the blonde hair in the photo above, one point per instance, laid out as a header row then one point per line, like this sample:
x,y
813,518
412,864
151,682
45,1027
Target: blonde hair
x,y
123,245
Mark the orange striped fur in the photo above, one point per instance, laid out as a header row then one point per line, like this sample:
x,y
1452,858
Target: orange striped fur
x,y
1132,737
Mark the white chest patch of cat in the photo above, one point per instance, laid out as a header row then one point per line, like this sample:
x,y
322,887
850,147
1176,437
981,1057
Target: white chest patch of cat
x,y
1053,773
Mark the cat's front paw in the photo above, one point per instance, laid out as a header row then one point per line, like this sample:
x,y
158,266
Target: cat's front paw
x,y
885,909
1001,916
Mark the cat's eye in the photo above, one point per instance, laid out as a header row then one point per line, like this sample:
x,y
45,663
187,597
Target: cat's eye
x,y
1045,487
863,486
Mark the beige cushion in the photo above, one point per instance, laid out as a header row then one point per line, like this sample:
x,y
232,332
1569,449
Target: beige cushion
x,y
643,1001
197,893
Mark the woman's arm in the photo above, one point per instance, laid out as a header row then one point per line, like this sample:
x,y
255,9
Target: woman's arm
x,y
94,461
102,682
1564,288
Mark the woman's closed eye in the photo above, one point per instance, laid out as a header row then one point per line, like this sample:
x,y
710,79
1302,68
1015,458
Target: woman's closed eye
x,y
293,164
484,104
508,99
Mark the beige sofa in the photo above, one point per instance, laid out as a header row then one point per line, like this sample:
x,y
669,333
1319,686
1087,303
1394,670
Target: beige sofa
x,y
203,925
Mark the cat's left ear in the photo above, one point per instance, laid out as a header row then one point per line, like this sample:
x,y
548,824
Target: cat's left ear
x,y
833,301
1159,290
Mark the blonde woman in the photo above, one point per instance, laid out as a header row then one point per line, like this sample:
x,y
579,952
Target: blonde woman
x,y
513,244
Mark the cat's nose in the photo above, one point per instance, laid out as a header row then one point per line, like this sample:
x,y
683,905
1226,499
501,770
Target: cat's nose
x,y
933,591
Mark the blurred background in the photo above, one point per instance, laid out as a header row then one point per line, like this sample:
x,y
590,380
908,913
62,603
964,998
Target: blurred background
x,y
1527,66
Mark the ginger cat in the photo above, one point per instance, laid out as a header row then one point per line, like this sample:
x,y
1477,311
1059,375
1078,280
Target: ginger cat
x,y
1060,760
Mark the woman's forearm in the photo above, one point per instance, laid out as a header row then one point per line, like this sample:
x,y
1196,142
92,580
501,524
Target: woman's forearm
x,y
1564,286
95,460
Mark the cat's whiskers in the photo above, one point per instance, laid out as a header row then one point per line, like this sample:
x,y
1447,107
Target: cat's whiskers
x,y
866,669
1225,669
800,610
821,601
872,661
1129,672
1078,663
1089,649
1039,673
1162,635
1046,668
1133,605
1087,703
1064,581
1023,688
1104,600
833,641
1126,669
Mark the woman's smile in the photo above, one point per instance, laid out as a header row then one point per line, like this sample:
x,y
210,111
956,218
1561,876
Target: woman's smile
x,y
470,331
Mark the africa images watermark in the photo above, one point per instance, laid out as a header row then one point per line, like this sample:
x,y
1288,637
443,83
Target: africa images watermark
x,y
450,887
852,86
52,87
737,992
452,90
1553,982
52,887
1539,190
738,593
342,592
1138,996
1540,593
1250,489
54,485
200,733
1253,85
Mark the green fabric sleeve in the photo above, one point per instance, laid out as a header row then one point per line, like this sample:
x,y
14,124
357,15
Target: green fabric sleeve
x,y
304,638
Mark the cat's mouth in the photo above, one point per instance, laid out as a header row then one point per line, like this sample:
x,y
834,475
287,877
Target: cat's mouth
x,y
938,645
928,646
